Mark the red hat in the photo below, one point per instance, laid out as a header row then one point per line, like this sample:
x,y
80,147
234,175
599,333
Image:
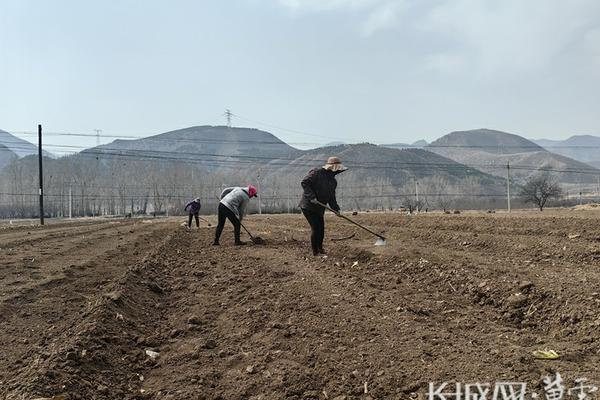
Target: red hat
x,y
252,191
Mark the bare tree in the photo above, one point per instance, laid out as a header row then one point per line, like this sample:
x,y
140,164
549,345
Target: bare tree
x,y
538,189
411,203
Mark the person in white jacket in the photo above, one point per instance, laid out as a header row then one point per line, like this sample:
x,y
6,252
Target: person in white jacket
x,y
233,205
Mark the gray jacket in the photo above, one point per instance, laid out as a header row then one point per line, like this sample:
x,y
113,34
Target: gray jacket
x,y
236,199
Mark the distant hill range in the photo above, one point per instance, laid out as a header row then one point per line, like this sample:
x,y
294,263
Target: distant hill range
x,y
20,147
220,146
490,151
477,158
253,152
584,148
367,161
12,146
419,144
210,146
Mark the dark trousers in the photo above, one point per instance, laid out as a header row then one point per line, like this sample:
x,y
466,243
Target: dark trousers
x,y
190,220
317,228
226,213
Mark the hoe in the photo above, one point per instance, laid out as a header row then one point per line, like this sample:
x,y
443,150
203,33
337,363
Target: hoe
x,y
255,239
381,241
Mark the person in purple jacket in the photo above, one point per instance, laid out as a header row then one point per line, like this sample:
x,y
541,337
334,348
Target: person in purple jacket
x,y
193,207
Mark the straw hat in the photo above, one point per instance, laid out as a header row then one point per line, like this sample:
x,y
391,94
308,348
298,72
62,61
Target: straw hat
x,y
334,164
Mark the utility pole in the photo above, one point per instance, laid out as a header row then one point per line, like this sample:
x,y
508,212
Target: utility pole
x,y
417,194
288,196
228,114
599,188
259,193
41,172
580,200
70,202
508,185
98,132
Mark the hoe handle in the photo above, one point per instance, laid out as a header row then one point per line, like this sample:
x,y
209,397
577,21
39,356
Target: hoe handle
x,y
349,220
247,231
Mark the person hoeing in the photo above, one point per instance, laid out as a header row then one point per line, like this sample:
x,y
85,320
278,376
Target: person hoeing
x,y
319,186
233,205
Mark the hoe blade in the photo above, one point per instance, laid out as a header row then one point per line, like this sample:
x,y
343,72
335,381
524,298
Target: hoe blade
x,y
380,242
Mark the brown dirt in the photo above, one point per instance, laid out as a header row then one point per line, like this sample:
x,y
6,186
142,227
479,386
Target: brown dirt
x,y
451,298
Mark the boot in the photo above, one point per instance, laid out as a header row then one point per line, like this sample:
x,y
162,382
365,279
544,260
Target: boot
x,y
240,243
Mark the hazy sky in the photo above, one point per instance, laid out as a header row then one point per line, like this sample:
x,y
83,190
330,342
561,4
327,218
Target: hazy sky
x,y
356,70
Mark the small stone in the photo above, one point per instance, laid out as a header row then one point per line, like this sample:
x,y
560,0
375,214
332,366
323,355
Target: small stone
x,y
194,320
250,369
210,344
152,354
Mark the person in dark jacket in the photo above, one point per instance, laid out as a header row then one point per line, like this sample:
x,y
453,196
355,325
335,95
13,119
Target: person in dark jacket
x,y
319,186
193,208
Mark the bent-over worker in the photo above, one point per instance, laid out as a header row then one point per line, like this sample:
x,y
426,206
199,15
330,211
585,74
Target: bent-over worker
x,y
232,206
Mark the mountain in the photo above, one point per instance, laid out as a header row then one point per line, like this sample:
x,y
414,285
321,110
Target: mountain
x,y
584,148
490,151
369,164
419,144
18,146
6,155
211,146
483,140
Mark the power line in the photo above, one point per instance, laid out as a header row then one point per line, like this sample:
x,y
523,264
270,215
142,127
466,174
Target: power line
x,y
224,160
389,145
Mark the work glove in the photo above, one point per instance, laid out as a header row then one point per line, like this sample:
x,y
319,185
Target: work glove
x,y
338,213
314,201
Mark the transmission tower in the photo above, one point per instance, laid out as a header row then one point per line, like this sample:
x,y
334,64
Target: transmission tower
x,y
98,132
228,114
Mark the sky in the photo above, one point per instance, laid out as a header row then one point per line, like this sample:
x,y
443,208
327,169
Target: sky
x,y
309,71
